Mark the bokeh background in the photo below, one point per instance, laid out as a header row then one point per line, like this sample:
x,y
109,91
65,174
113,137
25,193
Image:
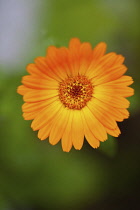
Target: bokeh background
x,y
35,175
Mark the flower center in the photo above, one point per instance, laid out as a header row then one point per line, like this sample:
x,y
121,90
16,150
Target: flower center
x,y
75,92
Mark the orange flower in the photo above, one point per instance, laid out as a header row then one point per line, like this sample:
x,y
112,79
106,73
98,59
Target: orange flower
x,y
75,92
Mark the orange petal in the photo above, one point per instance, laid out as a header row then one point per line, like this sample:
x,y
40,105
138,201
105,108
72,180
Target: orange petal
x,y
67,138
39,83
94,125
58,126
22,90
108,60
116,113
119,60
113,132
74,49
102,67
99,50
103,117
54,60
124,81
124,112
46,115
63,61
114,89
77,130
85,57
30,115
44,132
110,74
39,95
45,69
94,142
74,44
115,101
33,70
124,91
36,106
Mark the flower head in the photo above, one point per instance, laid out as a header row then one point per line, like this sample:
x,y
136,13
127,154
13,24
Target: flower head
x,y
75,92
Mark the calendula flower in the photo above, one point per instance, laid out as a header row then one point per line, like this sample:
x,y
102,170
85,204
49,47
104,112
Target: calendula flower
x,y
76,92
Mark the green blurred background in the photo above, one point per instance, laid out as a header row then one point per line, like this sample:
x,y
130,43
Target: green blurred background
x,y
35,175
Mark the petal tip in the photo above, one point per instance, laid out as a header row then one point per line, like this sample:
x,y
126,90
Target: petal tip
x,y
74,42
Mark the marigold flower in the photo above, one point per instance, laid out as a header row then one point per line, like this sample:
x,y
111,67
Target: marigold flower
x,y
75,92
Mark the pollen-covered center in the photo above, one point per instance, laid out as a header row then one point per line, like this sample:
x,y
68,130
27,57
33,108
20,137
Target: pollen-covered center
x,y
75,92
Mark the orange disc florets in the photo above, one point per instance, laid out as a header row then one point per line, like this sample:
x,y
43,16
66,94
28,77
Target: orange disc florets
x,y
75,92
